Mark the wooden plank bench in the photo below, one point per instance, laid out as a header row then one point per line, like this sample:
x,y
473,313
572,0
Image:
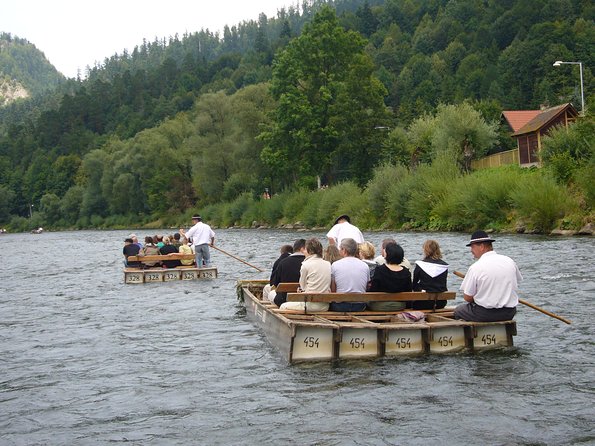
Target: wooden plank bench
x,y
160,258
147,274
371,296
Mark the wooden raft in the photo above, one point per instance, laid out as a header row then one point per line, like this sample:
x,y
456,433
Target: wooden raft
x,y
317,336
158,274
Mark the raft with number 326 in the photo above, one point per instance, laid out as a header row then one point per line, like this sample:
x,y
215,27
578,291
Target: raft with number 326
x,y
323,336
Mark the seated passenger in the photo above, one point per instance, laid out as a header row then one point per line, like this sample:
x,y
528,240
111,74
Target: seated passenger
x,y
391,277
331,254
315,277
166,249
381,258
150,250
130,249
268,293
185,249
366,253
349,275
288,270
176,240
430,275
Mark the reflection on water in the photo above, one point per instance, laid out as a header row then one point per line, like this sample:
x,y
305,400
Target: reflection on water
x,y
86,359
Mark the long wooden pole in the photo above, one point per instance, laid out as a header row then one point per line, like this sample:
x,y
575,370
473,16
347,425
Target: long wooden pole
x,y
237,258
529,304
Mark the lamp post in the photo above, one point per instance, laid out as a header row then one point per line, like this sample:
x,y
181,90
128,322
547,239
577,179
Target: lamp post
x,y
580,65
31,210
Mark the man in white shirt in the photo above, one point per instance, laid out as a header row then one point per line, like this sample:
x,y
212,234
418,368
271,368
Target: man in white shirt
x,y
349,275
490,285
344,229
202,237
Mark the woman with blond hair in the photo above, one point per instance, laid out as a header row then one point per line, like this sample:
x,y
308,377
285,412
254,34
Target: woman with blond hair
x,y
366,252
430,275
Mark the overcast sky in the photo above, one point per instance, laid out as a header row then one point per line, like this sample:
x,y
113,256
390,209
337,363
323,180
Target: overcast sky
x,y
74,34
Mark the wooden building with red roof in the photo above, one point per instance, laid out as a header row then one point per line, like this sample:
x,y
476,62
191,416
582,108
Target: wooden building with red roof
x,y
529,134
528,128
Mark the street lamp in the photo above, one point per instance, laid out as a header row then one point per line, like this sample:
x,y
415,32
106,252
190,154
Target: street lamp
x,y
31,210
580,65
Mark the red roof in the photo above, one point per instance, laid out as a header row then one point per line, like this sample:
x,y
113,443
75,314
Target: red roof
x,y
518,118
544,117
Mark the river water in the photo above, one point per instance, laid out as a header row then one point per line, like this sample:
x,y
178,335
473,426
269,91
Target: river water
x,y
88,360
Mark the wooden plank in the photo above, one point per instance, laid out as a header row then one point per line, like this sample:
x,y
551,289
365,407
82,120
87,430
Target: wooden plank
x,y
287,287
369,296
156,258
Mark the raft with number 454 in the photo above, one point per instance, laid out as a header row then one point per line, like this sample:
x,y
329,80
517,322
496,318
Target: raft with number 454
x,y
151,274
301,336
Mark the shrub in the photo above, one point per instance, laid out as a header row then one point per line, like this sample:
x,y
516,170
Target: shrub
x,y
540,201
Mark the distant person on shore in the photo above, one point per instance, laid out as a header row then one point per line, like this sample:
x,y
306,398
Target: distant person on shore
x,y
268,293
130,249
288,270
381,258
391,277
315,277
491,284
430,275
202,237
349,275
344,229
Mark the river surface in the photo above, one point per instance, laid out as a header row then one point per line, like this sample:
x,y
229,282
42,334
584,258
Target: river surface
x,y
88,360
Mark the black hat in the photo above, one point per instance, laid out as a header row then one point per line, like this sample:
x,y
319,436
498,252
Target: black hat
x,y
480,237
196,217
343,217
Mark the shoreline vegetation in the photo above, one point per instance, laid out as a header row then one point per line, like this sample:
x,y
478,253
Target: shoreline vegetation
x,y
431,198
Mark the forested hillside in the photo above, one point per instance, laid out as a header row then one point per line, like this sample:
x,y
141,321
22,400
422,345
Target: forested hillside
x,y
24,70
310,95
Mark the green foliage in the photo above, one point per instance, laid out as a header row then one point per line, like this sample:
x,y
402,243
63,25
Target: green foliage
x,y
181,124
566,150
480,200
7,197
328,105
429,187
540,202
379,187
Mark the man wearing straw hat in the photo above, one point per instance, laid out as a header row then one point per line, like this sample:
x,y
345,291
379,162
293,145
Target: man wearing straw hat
x,y
490,285
202,236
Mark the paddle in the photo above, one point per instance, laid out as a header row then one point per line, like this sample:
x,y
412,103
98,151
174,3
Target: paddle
x,y
237,258
529,304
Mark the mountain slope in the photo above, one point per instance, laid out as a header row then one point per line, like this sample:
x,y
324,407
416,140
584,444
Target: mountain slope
x,y
24,70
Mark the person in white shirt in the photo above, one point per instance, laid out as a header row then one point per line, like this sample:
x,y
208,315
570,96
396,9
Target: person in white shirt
x,y
202,237
490,285
344,229
349,275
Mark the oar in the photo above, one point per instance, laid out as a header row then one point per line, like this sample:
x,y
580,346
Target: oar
x,y
529,304
237,258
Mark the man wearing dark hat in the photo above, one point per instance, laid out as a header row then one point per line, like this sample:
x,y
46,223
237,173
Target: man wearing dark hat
x,y
202,237
490,285
344,229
